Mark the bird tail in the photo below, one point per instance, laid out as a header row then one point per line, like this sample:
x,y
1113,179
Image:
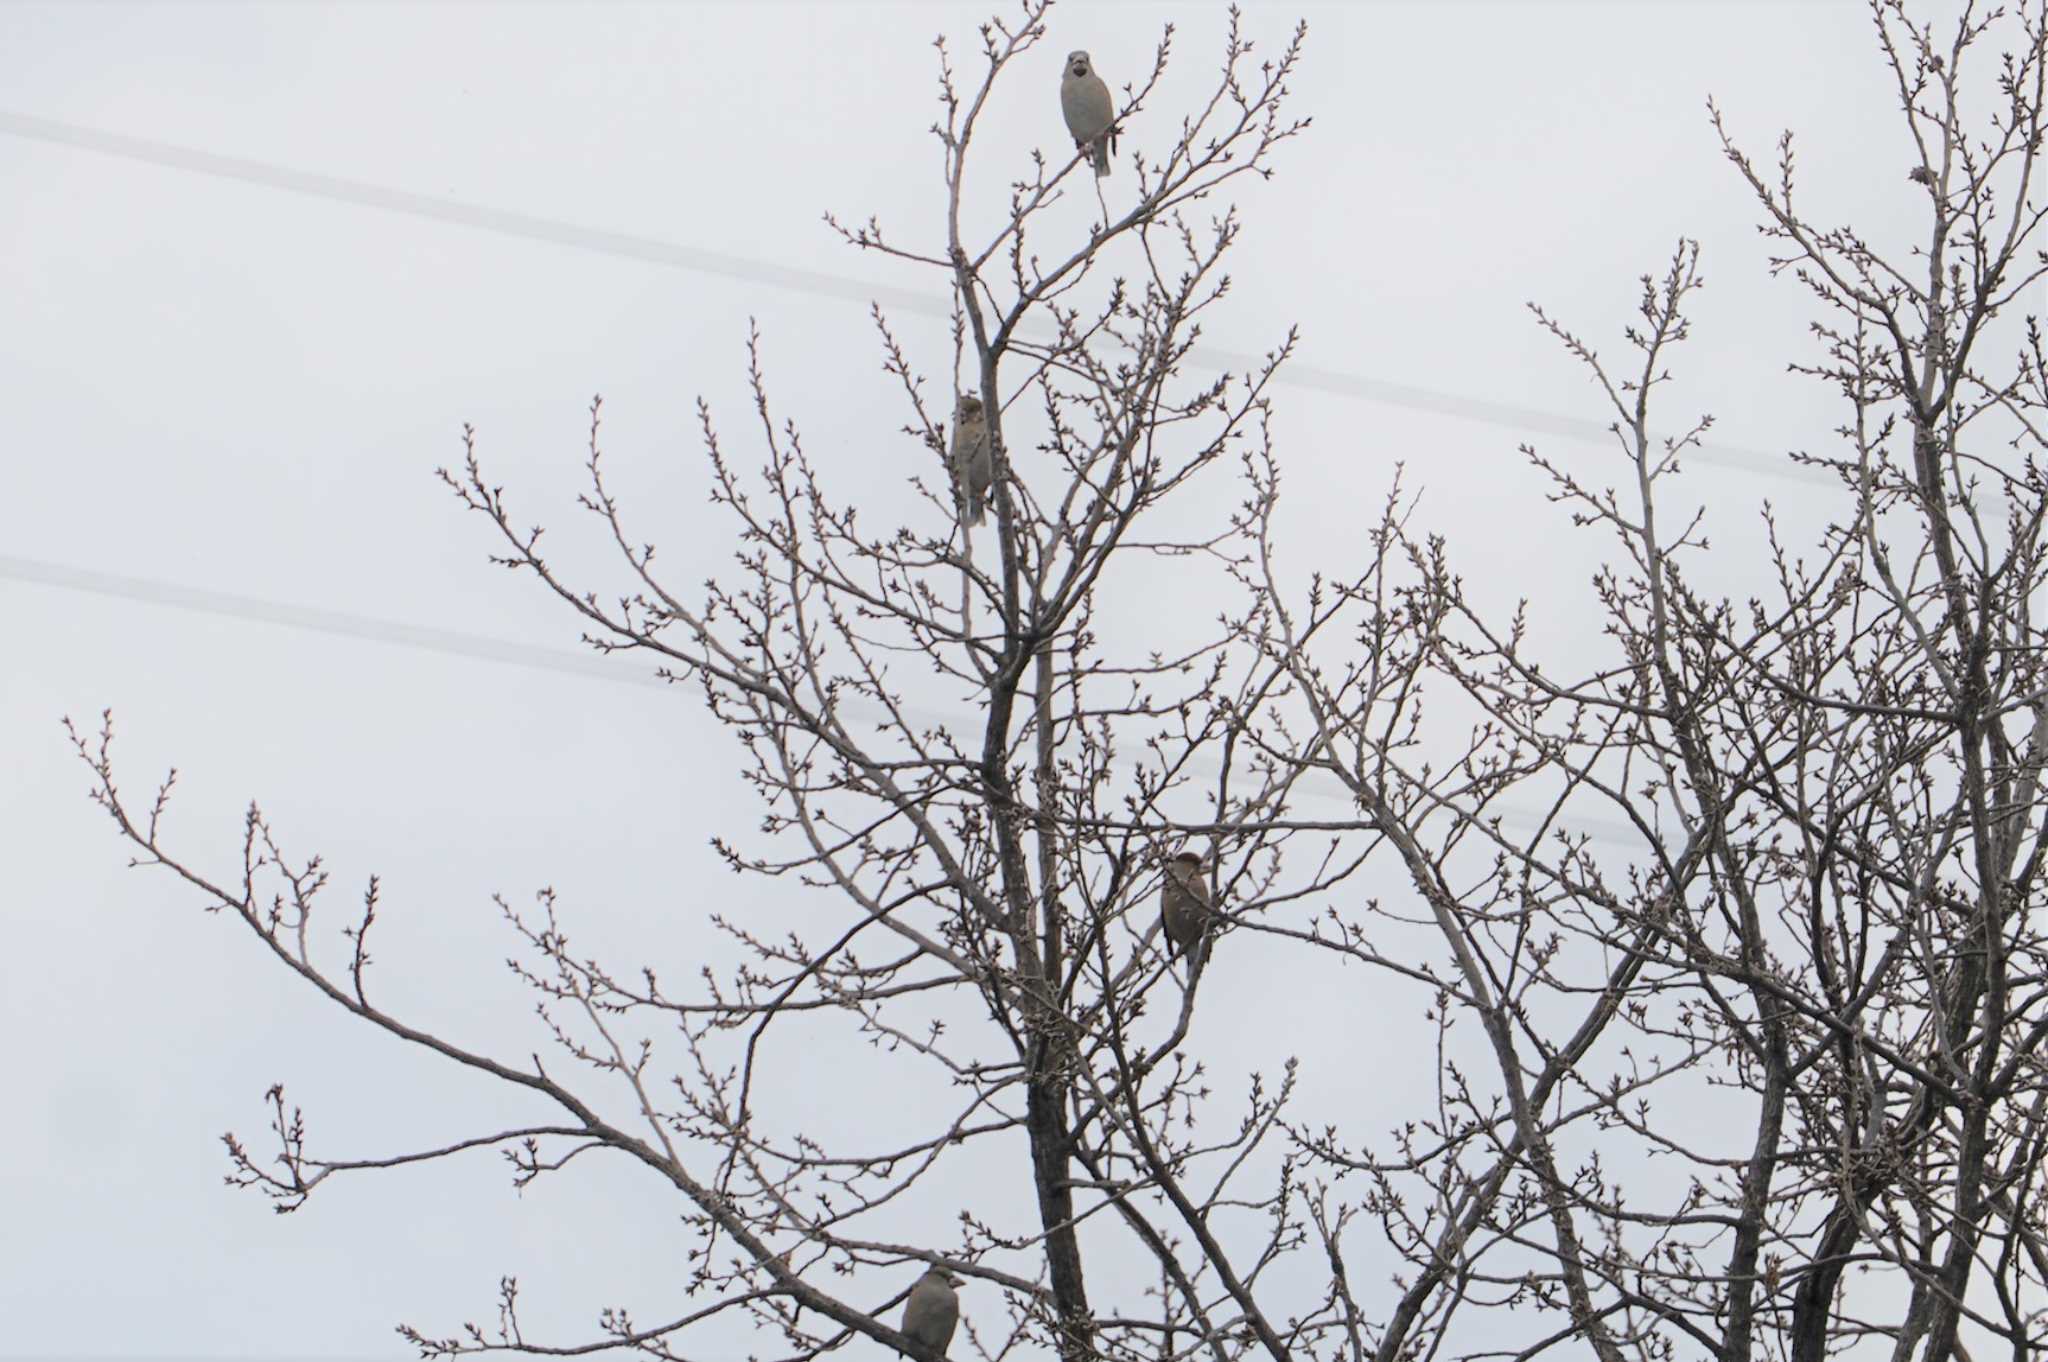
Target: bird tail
x,y
1102,156
973,510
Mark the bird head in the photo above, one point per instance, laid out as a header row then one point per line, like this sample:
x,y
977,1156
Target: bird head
x,y
1187,860
970,407
1078,65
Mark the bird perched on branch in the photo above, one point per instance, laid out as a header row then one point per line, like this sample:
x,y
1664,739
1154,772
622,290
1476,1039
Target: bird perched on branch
x,y
933,1309
969,462
1185,910
1091,117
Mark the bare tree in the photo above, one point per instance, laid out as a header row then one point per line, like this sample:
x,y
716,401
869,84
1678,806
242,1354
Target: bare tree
x,y
1784,1021
994,882
1724,933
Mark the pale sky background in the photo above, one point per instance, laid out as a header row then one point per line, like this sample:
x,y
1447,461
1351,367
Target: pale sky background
x,y
215,386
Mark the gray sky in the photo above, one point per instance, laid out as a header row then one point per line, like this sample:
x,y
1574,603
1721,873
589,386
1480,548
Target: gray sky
x,y
234,391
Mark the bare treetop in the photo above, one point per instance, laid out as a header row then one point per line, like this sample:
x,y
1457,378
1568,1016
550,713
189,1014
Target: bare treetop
x,y
1754,1073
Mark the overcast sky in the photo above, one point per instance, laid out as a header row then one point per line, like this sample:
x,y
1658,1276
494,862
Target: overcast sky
x,y
218,391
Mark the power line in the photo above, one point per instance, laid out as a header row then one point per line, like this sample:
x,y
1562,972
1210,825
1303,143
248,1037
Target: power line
x,y
454,642
483,647
651,250
655,251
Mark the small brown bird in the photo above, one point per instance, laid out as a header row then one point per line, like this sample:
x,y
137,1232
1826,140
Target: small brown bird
x,y
1091,114
1185,910
933,1309
969,462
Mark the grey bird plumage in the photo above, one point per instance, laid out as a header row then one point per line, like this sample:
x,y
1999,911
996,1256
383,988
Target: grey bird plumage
x,y
1184,908
933,1309
969,461
1091,116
